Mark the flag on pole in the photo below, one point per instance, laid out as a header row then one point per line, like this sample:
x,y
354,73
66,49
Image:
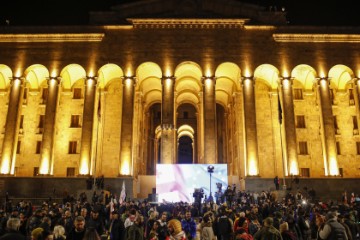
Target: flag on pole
x,y
279,109
122,194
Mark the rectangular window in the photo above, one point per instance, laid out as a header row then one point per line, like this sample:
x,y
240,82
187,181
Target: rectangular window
x,y
338,149
77,93
158,115
351,97
341,172
332,96
358,148
300,121
186,115
75,121
41,121
336,126
25,96
21,121
355,122
44,95
305,172
303,149
72,147
70,172
38,147
18,147
298,94
36,171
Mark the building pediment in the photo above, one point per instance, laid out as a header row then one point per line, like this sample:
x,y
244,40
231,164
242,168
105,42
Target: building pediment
x,y
189,9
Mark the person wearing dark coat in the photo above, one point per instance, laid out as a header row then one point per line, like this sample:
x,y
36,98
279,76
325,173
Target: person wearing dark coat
x,y
12,226
96,222
78,232
117,227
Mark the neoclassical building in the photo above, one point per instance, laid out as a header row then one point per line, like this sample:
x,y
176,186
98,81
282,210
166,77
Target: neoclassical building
x,y
265,98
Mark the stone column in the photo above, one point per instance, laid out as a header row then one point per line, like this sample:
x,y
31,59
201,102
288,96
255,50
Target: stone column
x,y
357,97
167,153
210,143
12,126
47,149
289,126
251,148
126,161
328,131
86,155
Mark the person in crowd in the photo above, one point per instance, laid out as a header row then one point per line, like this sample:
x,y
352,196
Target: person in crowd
x,y
175,230
223,225
84,213
293,226
162,230
46,224
34,221
241,234
116,230
241,223
254,224
59,232
91,234
303,221
341,220
268,231
12,230
189,226
40,234
353,226
95,221
207,232
277,183
78,231
278,219
285,233
332,229
131,218
153,234
150,222
136,230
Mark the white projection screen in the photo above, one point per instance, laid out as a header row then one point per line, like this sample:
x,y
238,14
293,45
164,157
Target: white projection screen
x,y
177,182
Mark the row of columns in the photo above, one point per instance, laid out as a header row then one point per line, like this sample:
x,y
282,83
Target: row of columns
x,y
168,137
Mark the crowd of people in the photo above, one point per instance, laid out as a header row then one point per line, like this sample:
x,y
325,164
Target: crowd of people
x,y
248,216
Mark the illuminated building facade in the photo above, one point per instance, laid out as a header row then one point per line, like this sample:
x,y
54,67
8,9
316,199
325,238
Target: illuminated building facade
x,y
114,100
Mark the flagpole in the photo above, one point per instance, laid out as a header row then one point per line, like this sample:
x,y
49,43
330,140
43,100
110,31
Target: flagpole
x,y
281,140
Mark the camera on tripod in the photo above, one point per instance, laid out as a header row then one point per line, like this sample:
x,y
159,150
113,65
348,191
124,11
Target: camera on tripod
x,y
198,193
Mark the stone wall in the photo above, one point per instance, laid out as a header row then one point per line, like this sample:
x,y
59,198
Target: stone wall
x,y
42,187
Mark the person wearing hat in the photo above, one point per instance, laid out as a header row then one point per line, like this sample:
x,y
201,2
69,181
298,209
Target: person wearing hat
x,y
268,231
175,230
116,230
332,229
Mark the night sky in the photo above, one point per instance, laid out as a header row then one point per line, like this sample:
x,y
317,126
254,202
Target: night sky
x,y
75,12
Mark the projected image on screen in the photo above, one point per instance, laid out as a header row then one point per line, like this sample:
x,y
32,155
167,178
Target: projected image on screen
x,y
177,182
